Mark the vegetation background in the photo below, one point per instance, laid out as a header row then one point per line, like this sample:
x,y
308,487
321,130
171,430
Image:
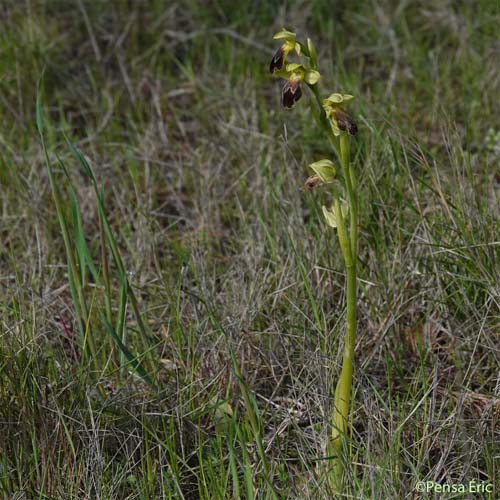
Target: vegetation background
x,y
233,269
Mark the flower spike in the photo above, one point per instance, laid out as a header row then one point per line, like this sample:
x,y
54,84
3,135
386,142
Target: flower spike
x,y
338,125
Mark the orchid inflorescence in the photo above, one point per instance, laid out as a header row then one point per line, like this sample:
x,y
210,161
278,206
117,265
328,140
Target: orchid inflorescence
x,y
295,74
331,116
338,120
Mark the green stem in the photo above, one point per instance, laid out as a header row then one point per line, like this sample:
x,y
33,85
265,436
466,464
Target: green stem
x,y
342,398
315,91
349,246
351,192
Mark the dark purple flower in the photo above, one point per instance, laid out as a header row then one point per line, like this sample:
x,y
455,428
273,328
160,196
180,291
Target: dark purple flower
x,y
278,60
291,92
344,121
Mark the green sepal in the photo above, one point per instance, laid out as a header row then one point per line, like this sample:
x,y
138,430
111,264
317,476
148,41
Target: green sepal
x,y
284,34
295,68
312,77
325,169
337,99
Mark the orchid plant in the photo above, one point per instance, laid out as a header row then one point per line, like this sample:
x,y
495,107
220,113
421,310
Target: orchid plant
x,y
338,126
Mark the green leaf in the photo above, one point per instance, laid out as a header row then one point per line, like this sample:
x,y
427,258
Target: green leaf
x,y
82,250
39,115
80,243
81,160
39,118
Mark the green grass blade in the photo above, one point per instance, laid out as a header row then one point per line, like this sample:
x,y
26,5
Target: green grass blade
x,y
132,360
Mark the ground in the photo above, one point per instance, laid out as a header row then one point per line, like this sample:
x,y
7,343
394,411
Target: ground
x,y
219,273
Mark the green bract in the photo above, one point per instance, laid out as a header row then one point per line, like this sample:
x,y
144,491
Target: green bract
x,y
324,169
313,56
331,217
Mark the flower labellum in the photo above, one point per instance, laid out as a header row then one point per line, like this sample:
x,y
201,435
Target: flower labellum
x,y
344,121
312,182
291,92
296,73
278,60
